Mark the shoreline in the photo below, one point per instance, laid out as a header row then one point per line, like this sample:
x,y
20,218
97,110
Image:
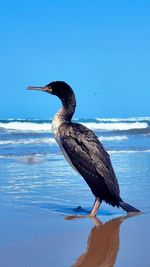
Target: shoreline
x,y
41,238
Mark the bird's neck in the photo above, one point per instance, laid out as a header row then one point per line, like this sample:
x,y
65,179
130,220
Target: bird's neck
x,y
65,113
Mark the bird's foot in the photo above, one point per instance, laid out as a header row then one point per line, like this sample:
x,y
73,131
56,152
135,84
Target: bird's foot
x,y
79,208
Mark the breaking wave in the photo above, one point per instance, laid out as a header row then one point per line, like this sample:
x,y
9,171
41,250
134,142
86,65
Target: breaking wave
x,y
26,126
52,141
28,141
131,119
128,151
125,126
39,126
113,138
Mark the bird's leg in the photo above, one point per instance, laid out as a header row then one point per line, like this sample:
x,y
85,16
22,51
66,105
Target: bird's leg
x,y
95,207
92,214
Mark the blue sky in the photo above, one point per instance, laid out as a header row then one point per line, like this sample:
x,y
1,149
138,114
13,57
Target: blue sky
x,y
101,48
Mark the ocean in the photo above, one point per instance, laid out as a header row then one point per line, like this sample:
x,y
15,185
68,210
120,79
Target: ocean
x,y
33,171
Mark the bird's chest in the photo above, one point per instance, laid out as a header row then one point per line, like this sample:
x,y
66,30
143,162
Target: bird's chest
x,y
58,139
57,121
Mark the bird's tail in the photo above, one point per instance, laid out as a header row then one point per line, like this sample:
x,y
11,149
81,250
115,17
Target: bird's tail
x,y
128,208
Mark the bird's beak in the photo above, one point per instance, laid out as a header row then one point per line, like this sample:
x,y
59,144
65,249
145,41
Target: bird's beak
x,y
46,88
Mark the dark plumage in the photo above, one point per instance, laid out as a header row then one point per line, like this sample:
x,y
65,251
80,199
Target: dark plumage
x,y
83,150
90,159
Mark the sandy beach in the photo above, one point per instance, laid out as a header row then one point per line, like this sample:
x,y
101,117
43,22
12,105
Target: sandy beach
x,y
30,237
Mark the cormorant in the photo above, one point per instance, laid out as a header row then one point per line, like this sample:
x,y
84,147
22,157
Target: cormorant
x,y
83,150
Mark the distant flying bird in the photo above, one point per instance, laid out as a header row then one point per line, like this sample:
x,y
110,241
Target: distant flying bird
x,y
83,150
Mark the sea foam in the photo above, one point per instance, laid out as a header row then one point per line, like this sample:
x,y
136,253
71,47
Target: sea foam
x,y
51,141
128,151
130,119
47,127
28,141
27,126
117,126
113,138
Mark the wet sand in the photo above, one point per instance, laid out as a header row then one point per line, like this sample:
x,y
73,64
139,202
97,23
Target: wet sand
x,y
37,237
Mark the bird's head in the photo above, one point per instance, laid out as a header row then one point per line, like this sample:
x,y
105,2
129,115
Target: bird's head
x,y
59,88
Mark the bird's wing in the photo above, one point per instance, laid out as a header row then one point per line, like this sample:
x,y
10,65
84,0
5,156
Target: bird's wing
x,y
85,151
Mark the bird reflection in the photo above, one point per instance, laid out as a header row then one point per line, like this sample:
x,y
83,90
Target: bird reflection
x,y
102,245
